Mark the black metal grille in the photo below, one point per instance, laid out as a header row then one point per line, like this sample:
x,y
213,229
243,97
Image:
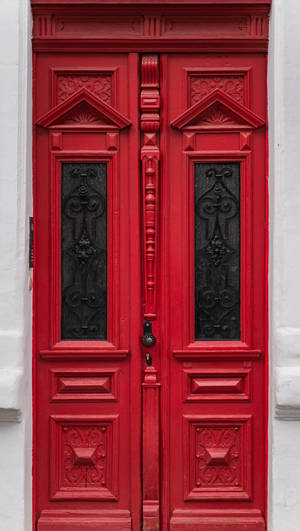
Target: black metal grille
x,y
217,251
84,251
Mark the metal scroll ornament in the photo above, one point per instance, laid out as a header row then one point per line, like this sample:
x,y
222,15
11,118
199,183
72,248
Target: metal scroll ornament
x,y
84,251
217,251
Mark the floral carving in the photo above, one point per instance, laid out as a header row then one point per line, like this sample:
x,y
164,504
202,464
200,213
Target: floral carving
x,y
99,84
84,457
201,86
84,454
218,456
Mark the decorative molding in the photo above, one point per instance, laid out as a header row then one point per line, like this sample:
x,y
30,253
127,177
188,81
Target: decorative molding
x,y
112,141
43,26
174,26
96,353
210,385
201,85
86,520
152,26
217,111
245,141
189,141
213,519
151,451
200,354
93,385
84,454
217,457
56,140
150,155
99,84
83,108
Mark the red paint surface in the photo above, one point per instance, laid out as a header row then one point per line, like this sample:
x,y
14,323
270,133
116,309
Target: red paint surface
x,y
152,419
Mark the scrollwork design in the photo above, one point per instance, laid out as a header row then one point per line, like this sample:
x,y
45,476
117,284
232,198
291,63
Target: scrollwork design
x,y
217,251
90,441
203,85
218,457
84,253
98,84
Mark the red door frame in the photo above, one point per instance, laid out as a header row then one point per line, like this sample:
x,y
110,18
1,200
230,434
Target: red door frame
x,y
52,35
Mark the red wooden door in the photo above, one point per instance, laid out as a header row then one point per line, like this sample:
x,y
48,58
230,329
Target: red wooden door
x,y
88,296
213,232
150,196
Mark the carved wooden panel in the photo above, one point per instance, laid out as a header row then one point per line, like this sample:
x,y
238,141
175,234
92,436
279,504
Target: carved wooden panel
x,y
217,111
84,456
218,457
205,385
106,26
84,385
217,115
205,25
100,84
233,83
246,28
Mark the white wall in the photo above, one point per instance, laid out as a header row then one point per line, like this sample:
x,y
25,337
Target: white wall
x,y
15,299
284,114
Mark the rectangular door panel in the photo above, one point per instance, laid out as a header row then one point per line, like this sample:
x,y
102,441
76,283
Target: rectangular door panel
x,y
213,232
87,348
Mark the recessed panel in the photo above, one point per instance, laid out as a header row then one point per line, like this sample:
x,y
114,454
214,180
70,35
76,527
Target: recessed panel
x,y
218,457
217,384
84,385
84,452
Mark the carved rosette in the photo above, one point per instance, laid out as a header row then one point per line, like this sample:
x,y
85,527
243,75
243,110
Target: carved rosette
x,y
150,154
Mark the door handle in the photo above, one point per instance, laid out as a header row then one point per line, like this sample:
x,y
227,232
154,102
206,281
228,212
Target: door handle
x,y
148,339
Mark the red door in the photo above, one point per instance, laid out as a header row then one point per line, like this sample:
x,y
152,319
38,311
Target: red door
x,y
150,222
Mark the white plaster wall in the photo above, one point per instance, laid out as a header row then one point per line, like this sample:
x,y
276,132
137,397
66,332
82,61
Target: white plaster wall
x,y
284,115
15,298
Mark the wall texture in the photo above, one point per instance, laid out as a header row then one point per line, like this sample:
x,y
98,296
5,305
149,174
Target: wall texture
x,y
284,115
15,297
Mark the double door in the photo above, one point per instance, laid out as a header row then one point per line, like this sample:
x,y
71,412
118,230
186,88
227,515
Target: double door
x,y
150,299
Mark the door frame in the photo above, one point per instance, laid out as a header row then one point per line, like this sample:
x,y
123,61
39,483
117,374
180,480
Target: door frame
x,y
245,30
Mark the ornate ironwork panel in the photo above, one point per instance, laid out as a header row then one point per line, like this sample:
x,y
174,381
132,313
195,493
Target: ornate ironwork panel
x,y
84,251
217,251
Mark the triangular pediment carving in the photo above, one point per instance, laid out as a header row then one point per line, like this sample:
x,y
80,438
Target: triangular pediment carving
x,y
217,111
83,109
